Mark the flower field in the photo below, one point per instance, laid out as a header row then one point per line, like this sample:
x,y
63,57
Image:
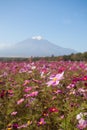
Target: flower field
x,y
43,95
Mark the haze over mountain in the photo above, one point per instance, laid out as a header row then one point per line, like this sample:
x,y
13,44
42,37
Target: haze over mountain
x,y
35,46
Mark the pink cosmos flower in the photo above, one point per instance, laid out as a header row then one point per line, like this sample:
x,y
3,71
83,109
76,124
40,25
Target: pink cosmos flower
x,y
33,94
20,101
14,113
81,90
27,89
10,92
41,122
82,123
26,82
57,91
71,86
54,80
22,126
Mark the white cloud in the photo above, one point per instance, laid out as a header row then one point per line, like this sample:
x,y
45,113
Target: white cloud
x,y
37,37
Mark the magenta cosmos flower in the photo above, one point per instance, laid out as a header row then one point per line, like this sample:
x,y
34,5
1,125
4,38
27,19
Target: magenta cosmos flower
x,y
33,94
53,109
41,122
27,89
54,80
15,125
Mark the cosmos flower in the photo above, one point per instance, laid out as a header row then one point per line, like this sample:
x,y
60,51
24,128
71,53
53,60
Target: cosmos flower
x,y
15,125
45,113
57,91
85,78
79,116
2,94
14,113
10,93
53,109
25,125
27,89
41,122
22,126
20,101
82,123
33,94
54,80
26,82
71,86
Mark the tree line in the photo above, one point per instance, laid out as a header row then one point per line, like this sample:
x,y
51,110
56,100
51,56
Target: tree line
x,y
72,57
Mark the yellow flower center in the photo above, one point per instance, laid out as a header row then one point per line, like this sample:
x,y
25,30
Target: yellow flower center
x,y
9,128
40,123
28,122
54,79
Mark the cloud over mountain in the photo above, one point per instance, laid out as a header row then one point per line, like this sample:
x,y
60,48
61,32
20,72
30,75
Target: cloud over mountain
x,y
37,37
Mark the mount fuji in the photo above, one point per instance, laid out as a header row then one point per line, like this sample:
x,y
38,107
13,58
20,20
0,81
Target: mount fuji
x,y
35,46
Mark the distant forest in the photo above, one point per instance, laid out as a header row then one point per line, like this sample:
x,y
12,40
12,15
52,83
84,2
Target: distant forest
x,y
72,57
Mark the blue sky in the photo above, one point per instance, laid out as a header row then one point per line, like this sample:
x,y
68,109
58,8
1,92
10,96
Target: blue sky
x,y
63,22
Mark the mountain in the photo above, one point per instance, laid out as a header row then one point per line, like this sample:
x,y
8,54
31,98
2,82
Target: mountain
x,y
35,47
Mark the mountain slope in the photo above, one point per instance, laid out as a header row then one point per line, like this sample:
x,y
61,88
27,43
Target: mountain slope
x,y
35,47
